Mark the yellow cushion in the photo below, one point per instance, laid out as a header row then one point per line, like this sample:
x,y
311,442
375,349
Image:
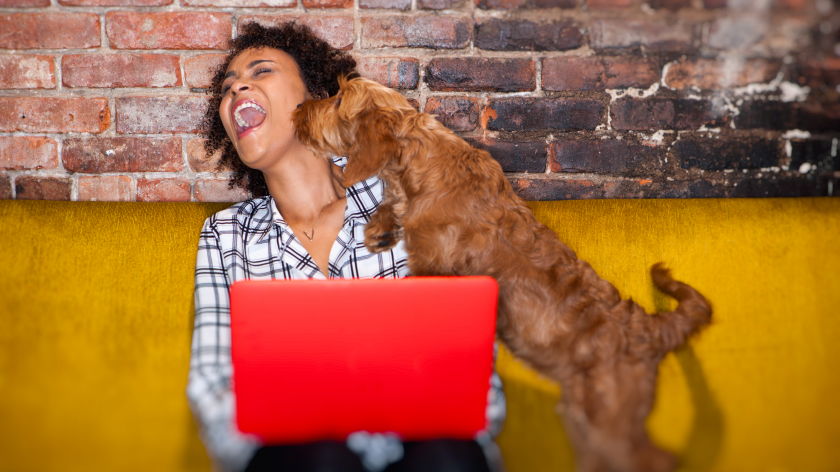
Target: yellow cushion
x,y
96,320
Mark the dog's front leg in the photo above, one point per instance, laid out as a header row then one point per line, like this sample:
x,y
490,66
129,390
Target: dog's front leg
x,y
384,230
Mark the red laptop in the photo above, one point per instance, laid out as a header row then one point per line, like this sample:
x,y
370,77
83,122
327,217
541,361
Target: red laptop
x,y
322,359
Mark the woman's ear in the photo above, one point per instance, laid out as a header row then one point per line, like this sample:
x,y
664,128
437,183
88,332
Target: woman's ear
x,y
376,145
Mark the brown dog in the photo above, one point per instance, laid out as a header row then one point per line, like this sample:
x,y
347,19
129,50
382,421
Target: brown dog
x,y
458,215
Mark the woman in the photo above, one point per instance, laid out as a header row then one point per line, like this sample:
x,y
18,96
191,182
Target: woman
x,y
301,223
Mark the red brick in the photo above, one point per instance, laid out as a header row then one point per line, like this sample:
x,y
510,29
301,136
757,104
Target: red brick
x,y
597,4
526,114
394,72
715,74
26,72
716,154
554,3
176,30
49,31
818,74
335,30
521,35
121,70
163,190
101,155
115,3
199,70
30,187
656,36
24,3
54,115
389,4
659,113
598,73
500,4
217,190
28,152
327,3
481,74
242,3
790,4
438,4
110,188
556,189
514,156
153,115
605,157
422,31
456,113
741,31
5,187
198,160
670,4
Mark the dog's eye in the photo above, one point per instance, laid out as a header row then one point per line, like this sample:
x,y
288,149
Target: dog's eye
x,y
337,103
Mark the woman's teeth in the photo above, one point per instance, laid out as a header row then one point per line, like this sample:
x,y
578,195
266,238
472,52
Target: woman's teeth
x,y
238,117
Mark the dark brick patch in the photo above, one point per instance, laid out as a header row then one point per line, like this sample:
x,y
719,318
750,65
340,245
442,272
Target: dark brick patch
x,y
481,74
30,187
553,189
809,186
514,156
522,114
657,113
5,187
719,154
814,151
761,114
605,157
456,113
522,35
819,117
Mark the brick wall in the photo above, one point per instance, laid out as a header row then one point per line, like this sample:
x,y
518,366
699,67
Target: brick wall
x,y
100,99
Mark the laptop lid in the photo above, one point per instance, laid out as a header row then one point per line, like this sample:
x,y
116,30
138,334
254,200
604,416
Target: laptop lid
x,y
322,359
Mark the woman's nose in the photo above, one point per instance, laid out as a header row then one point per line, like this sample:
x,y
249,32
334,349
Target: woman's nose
x,y
238,87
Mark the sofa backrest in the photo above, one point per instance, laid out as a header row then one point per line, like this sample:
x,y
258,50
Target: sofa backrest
x,y
96,320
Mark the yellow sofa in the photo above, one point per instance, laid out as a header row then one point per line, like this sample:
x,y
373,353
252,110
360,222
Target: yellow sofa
x,y
96,319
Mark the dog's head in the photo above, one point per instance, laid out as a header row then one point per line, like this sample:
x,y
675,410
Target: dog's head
x,y
362,121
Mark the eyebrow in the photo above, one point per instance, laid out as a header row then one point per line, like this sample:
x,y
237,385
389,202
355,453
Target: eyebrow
x,y
250,66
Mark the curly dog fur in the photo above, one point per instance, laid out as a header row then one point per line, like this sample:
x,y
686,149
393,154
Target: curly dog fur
x,y
458,215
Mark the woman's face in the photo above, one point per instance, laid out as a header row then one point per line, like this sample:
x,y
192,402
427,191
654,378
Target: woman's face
x,y
261,89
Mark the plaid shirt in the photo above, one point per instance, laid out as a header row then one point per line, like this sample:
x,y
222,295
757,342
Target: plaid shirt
x,y
250,240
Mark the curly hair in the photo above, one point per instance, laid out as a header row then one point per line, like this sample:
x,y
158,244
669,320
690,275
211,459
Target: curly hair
x,y
320,66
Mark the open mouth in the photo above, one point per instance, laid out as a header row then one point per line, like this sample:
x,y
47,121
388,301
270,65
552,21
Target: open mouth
x,y
247,115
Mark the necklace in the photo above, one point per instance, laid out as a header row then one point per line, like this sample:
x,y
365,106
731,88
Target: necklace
x,y
311,234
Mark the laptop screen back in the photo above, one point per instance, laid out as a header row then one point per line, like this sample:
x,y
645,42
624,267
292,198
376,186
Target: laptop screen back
x,y
322,359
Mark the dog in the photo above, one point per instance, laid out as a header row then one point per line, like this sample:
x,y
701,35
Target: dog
x,y
458,215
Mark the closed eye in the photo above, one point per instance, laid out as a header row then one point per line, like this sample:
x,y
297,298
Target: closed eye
x,y
338,102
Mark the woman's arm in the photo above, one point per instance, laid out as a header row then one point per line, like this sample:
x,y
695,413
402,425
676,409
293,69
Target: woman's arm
x,y
209,388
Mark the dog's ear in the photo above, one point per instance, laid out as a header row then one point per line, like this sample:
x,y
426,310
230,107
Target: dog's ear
x,y
376,145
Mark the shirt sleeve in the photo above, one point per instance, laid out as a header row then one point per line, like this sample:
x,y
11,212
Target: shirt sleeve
x,y
209,389
496,402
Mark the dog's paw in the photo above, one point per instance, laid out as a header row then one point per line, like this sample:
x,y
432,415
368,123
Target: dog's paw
x,y
377,240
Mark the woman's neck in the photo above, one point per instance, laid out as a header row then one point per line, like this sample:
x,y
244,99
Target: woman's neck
x,y
303,185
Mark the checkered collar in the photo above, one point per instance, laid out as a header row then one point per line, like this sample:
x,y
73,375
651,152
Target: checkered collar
x,y
362,201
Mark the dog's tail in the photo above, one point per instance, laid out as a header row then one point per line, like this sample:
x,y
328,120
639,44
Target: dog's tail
x,y
674,327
